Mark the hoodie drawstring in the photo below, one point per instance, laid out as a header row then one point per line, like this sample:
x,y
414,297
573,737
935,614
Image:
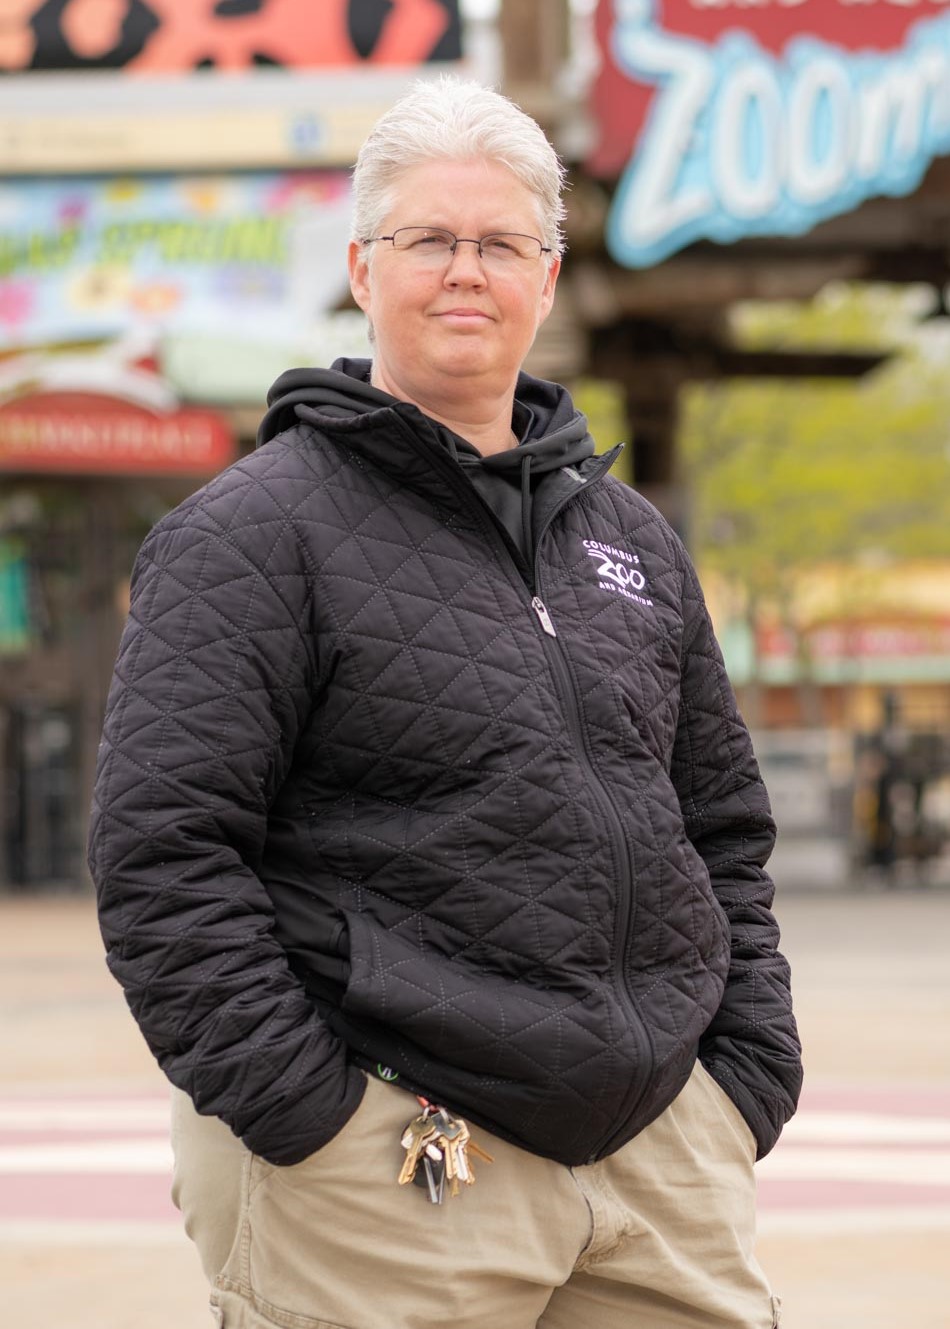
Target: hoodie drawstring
x,y
526,502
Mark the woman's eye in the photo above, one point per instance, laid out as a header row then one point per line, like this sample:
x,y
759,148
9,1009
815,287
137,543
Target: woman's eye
x,y
499,248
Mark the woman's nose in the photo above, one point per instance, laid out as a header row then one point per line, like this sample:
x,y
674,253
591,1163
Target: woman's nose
x,y
465,262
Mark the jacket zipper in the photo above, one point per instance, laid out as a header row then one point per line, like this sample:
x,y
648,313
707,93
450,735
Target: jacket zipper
x,y
564,683
567,693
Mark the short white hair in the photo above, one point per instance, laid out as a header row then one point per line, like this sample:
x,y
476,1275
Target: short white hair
x,y
453,119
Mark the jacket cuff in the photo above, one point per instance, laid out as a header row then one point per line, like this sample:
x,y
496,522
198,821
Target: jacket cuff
x,y
285,1136
765,1110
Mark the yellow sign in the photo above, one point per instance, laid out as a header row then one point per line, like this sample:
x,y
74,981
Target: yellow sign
x,y
199,138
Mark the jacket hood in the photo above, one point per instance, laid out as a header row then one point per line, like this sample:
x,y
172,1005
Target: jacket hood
x,y
552,432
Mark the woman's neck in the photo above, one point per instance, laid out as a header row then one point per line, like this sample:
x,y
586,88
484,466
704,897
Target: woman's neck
x,y
485,423
488,439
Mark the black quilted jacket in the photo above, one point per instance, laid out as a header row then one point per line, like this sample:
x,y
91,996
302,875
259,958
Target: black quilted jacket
x,y
374,792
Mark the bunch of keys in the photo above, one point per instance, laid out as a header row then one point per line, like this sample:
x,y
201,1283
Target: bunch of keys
x,y
437,1148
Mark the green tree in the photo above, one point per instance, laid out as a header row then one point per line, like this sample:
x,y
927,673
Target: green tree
x,y
790,476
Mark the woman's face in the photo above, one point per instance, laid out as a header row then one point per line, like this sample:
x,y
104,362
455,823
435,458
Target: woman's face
x,y
446,333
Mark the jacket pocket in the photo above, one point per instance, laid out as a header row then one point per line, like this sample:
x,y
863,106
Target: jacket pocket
x,y
548,1069
469,1016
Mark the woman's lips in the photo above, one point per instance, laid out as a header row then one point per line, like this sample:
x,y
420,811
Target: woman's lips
x,y
464,317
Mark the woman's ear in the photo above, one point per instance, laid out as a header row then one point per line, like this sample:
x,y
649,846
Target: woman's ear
x,y
357,261
547,291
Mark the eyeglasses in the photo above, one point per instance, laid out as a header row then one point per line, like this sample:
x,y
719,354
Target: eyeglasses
x,y
433,247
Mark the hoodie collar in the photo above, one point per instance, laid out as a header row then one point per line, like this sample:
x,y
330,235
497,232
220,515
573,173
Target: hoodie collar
x,y
551,431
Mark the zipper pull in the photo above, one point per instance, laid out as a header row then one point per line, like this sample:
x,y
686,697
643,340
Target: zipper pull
x,y
545,618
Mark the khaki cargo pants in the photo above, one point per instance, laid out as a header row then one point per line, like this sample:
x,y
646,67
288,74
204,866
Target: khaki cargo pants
x,y
658,1236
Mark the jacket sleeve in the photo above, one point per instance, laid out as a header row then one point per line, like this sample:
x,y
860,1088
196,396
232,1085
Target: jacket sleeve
x,y
751,1046
213,680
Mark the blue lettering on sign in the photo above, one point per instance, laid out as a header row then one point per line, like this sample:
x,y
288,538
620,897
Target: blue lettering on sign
x,y
741,142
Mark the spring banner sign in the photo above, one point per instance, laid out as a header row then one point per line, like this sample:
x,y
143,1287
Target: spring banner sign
x,y
730,118
96,258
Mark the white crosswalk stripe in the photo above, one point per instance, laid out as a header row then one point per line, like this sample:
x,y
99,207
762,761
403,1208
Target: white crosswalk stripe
x,y
926,1168
103,1156
87,1115
865,1128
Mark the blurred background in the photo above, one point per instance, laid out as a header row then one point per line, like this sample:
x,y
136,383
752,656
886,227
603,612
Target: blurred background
x,y
754,300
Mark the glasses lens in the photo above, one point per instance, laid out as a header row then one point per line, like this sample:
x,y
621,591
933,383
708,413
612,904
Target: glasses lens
x,y
426,244
507,245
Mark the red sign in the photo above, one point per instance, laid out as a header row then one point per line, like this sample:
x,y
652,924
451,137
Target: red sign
x,y
90,433
852,24
883,640
173,36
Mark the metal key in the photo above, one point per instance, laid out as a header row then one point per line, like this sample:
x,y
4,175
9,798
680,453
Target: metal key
x,y
471,1147
461,1155
464,1147
420,1131
432,1174
450,1130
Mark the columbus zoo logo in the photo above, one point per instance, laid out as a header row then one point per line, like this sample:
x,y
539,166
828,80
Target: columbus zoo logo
x,y
619,571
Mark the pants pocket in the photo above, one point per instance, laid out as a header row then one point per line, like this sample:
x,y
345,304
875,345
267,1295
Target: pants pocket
x,y
297,1261
735,1119
210,1182
233,1309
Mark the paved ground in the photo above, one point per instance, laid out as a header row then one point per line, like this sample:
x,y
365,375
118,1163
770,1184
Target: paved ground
x,y
854,1203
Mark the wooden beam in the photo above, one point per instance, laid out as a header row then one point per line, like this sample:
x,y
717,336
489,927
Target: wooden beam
x,y
534,40
653,359
605,292
729,363
534,45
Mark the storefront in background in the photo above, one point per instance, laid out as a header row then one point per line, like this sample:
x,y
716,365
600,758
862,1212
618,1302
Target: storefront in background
x,y
83,475
141,322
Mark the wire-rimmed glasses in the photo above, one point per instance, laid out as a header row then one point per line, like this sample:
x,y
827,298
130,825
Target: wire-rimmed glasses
x,y
434,246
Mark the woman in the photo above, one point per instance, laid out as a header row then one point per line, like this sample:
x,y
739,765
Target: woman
x,y
425,812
